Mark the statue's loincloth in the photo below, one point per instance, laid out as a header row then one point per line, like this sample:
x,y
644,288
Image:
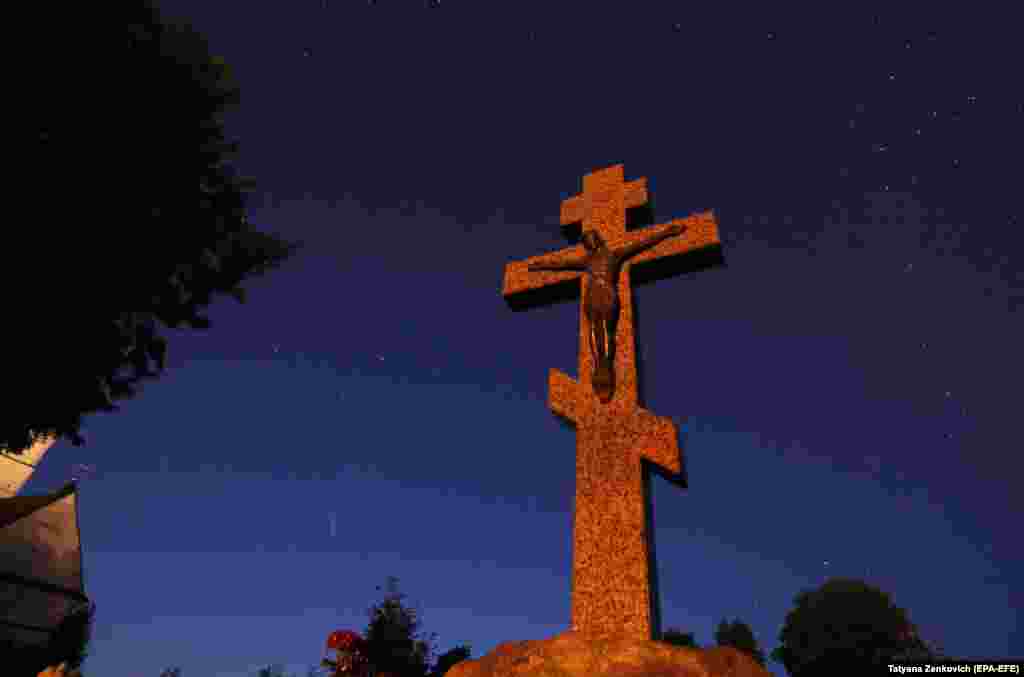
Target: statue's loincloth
x,y
602,301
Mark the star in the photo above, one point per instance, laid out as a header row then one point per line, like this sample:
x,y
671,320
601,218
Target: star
x,y
910,267
380,357
276,347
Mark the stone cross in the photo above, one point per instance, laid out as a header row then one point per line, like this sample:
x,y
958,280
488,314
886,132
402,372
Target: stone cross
x,y
614,573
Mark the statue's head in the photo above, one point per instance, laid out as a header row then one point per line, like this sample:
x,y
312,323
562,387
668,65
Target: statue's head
x,y
592,240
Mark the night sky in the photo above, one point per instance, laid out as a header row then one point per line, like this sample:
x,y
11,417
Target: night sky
x,y
847,386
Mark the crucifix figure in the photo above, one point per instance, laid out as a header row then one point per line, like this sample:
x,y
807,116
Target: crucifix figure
x,y
618,441
601,303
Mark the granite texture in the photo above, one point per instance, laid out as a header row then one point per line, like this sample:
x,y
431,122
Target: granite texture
x,y
572,655
614,591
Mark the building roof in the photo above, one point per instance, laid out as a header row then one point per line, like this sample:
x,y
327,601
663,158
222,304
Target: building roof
x,y
40,565
14,508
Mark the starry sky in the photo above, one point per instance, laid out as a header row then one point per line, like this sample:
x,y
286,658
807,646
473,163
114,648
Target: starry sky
x,y
846,385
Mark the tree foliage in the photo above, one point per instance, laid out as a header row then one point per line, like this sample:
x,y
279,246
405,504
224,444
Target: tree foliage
x,y
450,659
138,223
394,643
677,637
739,635
845,625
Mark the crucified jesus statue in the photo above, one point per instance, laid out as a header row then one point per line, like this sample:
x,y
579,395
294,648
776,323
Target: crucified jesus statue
x,y
601,303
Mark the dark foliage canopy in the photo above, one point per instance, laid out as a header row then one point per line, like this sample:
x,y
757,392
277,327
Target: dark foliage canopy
x,y
677,637
845,625
450,658
134,222
394,644
739,635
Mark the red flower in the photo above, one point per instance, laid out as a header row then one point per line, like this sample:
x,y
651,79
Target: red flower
x,y
344,640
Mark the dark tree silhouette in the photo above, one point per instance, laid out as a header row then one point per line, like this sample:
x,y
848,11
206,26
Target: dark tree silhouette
x,y
739,635
677,637
394,644
847,626
137,223
450,658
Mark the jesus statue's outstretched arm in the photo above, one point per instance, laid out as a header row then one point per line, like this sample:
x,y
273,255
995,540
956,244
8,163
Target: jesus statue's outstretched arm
x,y
637,247
579,263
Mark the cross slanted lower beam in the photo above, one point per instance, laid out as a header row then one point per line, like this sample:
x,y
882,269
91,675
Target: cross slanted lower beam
x,y
614,582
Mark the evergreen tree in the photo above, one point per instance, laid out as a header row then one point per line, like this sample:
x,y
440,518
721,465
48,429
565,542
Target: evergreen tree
x,y
394,644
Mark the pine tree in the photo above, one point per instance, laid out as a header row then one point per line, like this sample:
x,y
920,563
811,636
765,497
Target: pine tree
x,y
394,645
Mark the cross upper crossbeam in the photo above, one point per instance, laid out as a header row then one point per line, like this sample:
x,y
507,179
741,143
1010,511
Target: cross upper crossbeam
x,y
701,232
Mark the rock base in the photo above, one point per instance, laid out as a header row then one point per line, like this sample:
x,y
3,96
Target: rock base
x,y
570,654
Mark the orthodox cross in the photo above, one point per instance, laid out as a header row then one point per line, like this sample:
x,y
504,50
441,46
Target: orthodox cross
x,y
618,442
